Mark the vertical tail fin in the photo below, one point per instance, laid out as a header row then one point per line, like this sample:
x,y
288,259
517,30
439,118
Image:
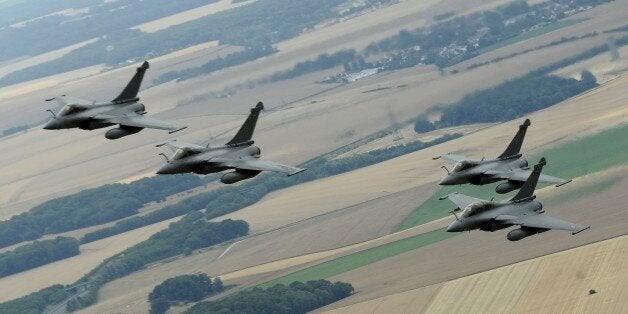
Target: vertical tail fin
x,y
527,190
246,131
515,145
131,89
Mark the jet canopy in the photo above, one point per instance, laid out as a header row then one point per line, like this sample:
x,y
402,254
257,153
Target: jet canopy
x,y
476,208
462,165
183,152
70,109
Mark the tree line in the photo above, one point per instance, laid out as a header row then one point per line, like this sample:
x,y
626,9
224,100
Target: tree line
x,y
91,207
298,297
190,233
322,62
184,288
509,100
37,254
36,302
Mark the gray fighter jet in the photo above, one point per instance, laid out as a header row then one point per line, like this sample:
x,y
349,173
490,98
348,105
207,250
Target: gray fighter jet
x,y
521,210
239,154
510,165
125,110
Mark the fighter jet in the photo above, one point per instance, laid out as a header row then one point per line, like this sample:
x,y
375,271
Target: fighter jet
x,y
521,210
510,165
125,110
239,154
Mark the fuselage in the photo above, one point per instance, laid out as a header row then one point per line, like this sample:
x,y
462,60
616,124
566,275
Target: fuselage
x,y
482,215
199,160
475,172
82,116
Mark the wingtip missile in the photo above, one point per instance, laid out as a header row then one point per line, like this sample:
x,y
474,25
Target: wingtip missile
x,y
297,171
561,184
446,196
583,229
53,98
177,130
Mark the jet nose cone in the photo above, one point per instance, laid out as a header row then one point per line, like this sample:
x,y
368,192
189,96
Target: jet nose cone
x,y
51,125
446,180
166,169
455,226
163,170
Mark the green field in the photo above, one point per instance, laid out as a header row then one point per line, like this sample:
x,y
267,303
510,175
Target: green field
x,y
531,34
362,258
570,160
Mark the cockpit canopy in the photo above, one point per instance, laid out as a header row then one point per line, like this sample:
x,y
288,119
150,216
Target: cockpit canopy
x,y
71,109
184,152
462,165
476,208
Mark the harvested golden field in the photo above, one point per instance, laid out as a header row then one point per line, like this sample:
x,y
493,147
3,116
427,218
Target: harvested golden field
x,y
558,282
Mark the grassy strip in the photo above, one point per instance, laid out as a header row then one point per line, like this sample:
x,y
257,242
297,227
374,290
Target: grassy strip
x,y
531,34
362,258
570,160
